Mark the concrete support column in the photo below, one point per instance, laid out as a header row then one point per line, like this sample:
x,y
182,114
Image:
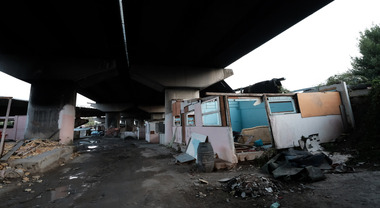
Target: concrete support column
x,y
112,120
51,111
172,94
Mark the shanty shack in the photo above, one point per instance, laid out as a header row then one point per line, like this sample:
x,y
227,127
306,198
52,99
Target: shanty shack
x,y
276,119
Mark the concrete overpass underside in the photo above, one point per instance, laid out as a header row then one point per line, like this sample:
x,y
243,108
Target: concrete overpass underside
x,y
133,52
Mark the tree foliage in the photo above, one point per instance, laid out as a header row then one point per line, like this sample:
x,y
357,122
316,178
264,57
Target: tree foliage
x,y
348,77
368,65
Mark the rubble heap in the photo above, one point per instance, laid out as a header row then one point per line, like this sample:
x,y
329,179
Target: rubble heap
x,y
250,185
32,148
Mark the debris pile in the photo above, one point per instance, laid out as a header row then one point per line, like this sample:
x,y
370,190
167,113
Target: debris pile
x,y
31,148
250,185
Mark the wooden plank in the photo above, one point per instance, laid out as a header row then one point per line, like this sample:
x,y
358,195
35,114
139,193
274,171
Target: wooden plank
x,y
319,104
5,126
222,110
176,108
267,109
14,149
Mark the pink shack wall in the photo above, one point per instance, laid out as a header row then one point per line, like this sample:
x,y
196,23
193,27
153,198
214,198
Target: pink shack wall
x,y
17,132
220,137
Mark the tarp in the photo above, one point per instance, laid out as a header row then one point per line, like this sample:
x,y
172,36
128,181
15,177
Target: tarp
x,y
298,165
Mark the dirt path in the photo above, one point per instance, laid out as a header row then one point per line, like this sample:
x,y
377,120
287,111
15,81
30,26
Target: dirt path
x,y
131,173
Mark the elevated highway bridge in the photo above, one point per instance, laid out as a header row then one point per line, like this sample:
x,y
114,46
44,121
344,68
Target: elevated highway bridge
x,y
127,54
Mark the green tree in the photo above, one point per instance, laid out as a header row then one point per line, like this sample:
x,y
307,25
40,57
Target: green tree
x,y
348,77
368,65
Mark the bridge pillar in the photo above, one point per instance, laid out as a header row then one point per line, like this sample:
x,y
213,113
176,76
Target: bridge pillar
x,y
51,111
172,94
112,120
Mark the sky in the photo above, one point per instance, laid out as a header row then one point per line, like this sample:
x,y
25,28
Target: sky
x,y
306,54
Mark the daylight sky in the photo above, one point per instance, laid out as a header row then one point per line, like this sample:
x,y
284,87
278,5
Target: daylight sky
x,y
305,55
309,52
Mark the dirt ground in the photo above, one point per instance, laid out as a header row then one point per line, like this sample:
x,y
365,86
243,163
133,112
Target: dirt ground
x,y
111,172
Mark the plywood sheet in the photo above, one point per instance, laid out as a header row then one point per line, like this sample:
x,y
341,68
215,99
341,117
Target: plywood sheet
x,y
176,108
319,104
287,129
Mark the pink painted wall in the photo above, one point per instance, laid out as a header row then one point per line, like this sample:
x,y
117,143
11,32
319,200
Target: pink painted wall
x,y
66,124
154,138
18,130
289,128
220,137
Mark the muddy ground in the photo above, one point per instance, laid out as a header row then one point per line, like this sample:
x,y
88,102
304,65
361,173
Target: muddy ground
x,y
111,172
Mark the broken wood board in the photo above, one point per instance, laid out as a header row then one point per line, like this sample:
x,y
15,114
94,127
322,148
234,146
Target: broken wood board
x,y
222,164
184,157
319,104
246,156
35,147
14,149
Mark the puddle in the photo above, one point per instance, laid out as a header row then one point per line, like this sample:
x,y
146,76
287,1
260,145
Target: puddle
x,y
60,193
76,176
92,147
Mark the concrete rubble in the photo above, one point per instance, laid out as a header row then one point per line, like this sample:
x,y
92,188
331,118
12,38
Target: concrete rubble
x,y
33,156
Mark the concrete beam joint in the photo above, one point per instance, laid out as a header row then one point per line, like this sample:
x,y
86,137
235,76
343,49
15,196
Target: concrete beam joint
x,y
197,78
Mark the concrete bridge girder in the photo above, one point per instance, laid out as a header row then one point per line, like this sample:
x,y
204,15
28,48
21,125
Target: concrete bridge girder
x,y
160,78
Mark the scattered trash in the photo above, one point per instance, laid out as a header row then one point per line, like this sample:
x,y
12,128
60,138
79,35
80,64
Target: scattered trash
x,y
25,179
343,168
310,143
251,186
275,205
258,143
269,190
298,165
203,181
360,163
338,158
201,195
224,180
183,158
